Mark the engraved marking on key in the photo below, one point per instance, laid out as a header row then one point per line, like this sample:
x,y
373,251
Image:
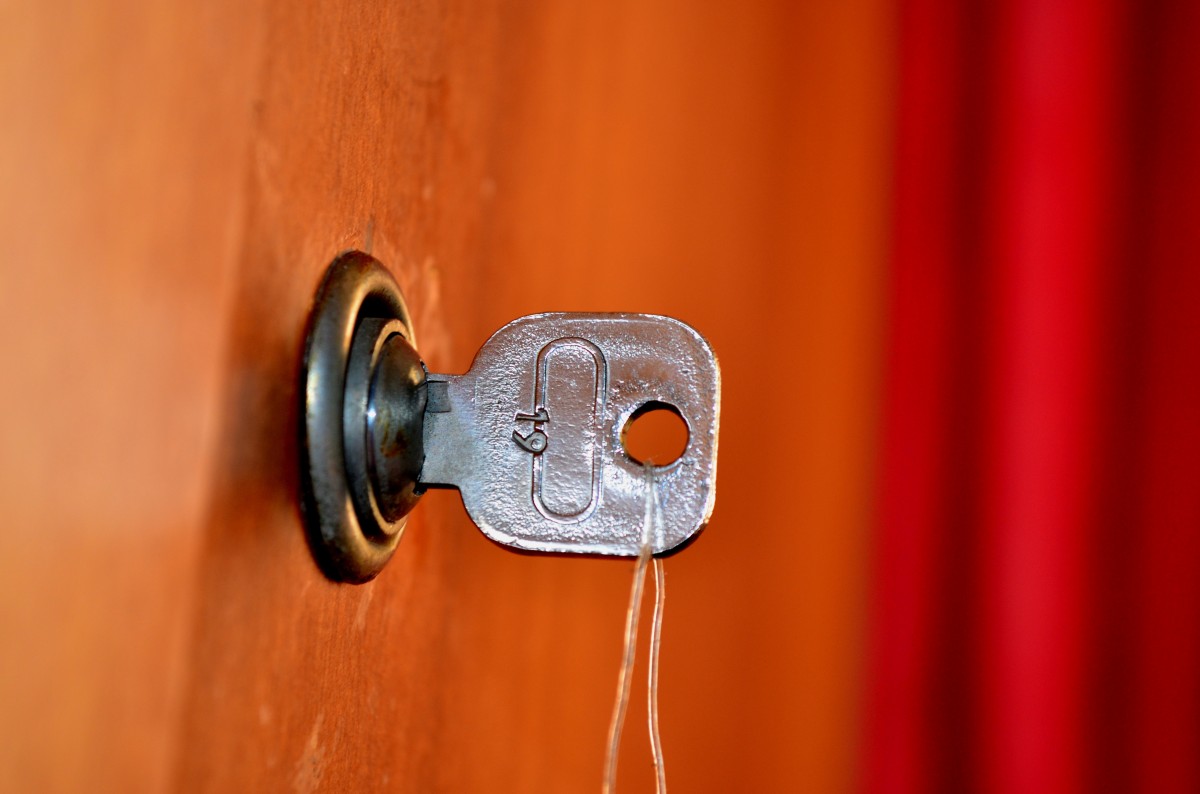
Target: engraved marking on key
x,y
586,375
535,442
572,379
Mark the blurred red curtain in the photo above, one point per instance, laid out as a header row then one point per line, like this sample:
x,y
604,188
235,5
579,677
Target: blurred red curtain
x,y
1035,620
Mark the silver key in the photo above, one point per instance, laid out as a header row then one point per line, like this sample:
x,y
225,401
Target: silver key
x,y
531,435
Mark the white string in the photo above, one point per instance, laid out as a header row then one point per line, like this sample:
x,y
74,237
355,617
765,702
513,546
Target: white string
x,y
651,527
660,594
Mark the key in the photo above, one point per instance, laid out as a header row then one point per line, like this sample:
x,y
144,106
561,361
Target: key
x,y
531,435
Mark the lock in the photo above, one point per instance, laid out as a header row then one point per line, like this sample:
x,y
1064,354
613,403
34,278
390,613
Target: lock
x,y
360,457
531,435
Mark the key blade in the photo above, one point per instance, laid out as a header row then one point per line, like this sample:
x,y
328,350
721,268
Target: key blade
x,y
531,435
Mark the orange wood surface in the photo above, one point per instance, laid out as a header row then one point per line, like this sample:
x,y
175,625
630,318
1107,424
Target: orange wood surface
x,y
173,183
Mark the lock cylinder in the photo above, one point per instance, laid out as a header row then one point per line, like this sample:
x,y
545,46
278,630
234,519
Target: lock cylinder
x,y
361,435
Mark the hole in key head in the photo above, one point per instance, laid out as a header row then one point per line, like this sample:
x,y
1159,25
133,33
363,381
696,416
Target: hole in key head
x,y
655,433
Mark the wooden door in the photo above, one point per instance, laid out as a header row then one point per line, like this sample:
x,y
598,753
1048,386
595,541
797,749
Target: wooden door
x,y
175,177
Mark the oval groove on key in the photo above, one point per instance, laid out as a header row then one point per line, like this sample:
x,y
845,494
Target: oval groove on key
x,y
572,382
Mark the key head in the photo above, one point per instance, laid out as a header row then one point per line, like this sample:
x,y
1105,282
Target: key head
x,y
532,435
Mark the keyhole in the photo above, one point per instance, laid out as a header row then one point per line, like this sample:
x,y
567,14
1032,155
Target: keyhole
x,y
655,433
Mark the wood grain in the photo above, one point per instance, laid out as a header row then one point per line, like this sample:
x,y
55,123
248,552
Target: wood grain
x,y
172,190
